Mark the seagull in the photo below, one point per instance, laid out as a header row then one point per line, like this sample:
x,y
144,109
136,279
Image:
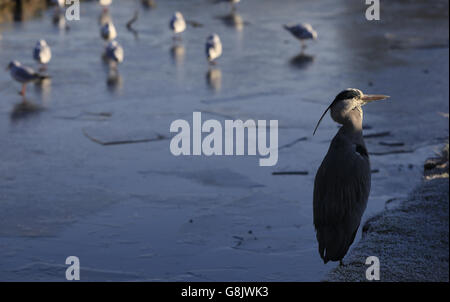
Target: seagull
x,y
177,23
302,31
42,53
24,74
213,47
108,31
114,52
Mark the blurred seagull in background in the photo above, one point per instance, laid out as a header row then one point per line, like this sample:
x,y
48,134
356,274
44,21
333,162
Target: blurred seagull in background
x,y
177,23
148,4
232,2
108,31
233,19
114,53
24,74
213,48
302,31
105,4
42,54
59,4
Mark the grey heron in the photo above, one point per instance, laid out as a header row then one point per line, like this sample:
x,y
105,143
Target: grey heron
x,y
342,183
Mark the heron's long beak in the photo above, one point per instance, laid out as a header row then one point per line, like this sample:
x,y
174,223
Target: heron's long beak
x,y
367,98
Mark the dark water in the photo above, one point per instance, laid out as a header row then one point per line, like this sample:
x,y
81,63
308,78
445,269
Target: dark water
x,y
136,212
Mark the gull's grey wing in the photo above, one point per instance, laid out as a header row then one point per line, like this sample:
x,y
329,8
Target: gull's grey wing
x,y
37,54
299,31
26,74
209,46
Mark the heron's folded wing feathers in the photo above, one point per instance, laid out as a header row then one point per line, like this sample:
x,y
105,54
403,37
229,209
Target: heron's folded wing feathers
x,y
341,190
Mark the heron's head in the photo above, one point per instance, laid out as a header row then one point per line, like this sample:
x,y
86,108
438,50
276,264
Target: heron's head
x,y
12,64
348,100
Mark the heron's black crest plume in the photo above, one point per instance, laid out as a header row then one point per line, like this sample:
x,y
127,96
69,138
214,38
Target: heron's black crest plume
x,y
347,94
323,114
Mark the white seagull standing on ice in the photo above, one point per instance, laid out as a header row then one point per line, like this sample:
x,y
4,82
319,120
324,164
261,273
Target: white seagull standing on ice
x,y
177,23
23,74
213,47
42,53
108,31
302,31
114,52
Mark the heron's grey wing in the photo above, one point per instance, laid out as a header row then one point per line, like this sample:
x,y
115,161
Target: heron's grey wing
x,y
341,190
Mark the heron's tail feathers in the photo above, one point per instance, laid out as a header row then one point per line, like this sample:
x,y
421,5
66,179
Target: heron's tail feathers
x,y
334,242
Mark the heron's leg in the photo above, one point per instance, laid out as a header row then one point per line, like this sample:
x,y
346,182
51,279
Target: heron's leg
x,y
22,92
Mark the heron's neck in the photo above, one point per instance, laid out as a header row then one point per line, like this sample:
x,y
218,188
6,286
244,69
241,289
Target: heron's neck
x,y
352,124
